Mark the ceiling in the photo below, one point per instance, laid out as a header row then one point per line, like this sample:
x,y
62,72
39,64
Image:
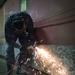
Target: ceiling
x,y
2,3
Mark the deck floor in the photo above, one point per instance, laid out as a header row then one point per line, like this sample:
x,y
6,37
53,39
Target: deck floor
x,y
3,68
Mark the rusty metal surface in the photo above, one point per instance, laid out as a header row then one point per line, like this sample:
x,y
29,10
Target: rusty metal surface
x,y
33,71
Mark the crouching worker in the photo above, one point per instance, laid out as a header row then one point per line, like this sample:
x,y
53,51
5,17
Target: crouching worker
x,y
18,26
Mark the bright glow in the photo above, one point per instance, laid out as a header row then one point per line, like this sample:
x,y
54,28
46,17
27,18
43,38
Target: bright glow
x,y
47,61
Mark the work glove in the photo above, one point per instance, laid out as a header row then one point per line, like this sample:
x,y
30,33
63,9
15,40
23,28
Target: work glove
x,y
32,46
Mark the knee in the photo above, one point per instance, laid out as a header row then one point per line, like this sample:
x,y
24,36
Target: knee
x,y
10,49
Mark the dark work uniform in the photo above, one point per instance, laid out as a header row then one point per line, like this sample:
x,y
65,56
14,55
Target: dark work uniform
x,y
24,36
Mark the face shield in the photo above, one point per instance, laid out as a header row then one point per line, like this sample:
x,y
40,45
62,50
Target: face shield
x,y
18,24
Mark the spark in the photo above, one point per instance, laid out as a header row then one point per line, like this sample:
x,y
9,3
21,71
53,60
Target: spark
x,y
48,62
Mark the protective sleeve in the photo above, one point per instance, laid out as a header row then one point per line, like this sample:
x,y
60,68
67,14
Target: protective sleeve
x,y
30,28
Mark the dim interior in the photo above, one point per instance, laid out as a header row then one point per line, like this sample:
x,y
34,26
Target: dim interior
x,y
54,27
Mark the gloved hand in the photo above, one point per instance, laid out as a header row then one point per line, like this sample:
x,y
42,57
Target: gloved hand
x,y
32,46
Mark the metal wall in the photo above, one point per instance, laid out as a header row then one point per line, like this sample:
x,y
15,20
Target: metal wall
x,y
54,20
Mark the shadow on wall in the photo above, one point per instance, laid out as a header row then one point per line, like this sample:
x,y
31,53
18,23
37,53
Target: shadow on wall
x,y
40,36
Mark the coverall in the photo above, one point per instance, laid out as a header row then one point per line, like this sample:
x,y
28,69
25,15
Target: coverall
x,y
23,35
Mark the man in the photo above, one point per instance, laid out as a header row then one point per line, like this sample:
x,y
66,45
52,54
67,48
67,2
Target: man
x,y
18,26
